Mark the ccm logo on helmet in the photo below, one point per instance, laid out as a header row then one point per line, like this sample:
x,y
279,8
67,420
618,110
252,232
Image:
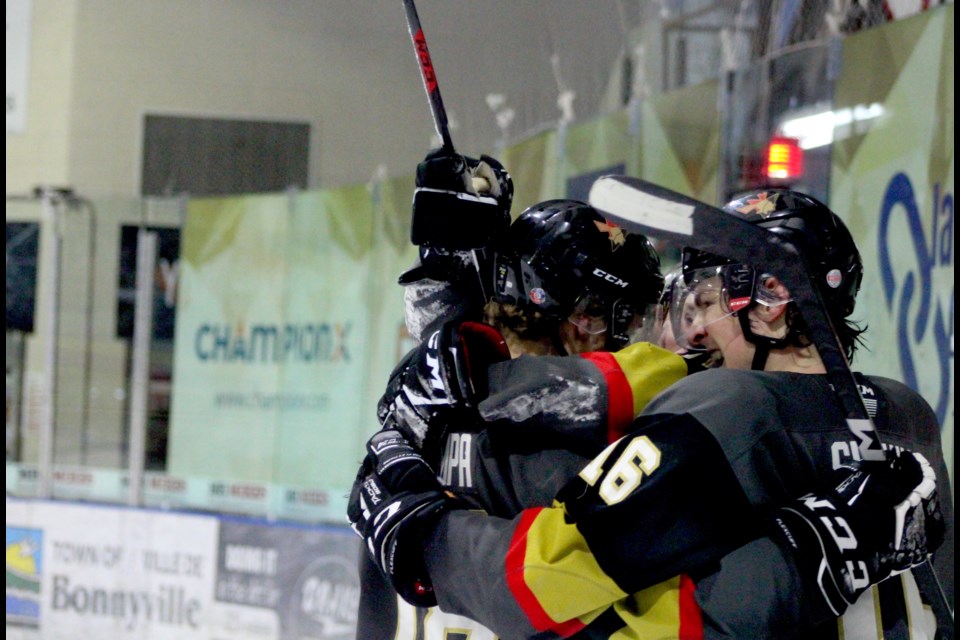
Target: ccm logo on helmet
x,y
609,277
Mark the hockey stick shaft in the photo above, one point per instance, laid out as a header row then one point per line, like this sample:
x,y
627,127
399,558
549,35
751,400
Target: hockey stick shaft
x,y
655,211
428,75
440,122
430,85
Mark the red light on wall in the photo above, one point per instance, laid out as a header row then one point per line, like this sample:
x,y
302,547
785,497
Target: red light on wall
x,y
784,159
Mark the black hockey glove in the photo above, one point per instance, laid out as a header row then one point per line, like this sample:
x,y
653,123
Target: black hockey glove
x,y
439,383
460,203
395,501
883,519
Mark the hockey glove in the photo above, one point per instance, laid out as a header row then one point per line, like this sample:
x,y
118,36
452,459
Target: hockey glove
x,y
395,501
883,519
460,202
439,383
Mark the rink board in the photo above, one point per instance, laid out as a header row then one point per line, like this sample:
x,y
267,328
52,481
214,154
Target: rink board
x,y
76,570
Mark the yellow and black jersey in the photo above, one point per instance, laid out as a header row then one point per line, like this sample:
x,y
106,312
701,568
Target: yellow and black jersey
x,y
677,497
641,543
544,418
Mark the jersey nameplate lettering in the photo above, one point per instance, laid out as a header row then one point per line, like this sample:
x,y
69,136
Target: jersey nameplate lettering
x,y
455,469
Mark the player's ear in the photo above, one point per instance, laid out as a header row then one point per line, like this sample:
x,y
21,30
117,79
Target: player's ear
x,y
776,295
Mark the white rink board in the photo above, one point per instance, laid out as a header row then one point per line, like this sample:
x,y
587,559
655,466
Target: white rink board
x,y
119,573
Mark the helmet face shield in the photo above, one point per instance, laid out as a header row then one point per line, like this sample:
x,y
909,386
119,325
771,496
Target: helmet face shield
x,y
624,321
705,296
709,294
643,326
589,313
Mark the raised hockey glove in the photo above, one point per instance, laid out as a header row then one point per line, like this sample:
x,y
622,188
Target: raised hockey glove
x,y
395,501
439,383
883,519
459,202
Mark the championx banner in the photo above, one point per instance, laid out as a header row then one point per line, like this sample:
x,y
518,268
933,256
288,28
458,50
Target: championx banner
x,y
272,321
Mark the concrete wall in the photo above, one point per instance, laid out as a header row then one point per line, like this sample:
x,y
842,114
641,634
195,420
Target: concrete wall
x,y
346,68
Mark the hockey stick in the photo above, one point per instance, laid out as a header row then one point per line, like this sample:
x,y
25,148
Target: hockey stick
x,y
442,125
429,76
430,85
653,210
664,214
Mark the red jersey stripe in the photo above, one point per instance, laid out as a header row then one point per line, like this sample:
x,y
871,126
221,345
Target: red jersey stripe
x,y
619,394
522,593
691,618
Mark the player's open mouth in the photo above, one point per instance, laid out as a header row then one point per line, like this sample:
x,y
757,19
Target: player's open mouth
x,y
714,360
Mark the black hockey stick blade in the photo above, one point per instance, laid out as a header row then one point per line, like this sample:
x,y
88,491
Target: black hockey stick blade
x,y
428,74
658,212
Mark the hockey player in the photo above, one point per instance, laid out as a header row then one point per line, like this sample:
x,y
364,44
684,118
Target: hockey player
x,y
562,282
772,455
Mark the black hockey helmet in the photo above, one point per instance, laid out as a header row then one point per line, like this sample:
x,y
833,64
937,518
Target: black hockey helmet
x,y
563,259
812,227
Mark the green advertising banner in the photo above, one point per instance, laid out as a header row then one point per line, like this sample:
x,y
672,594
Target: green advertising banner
x,y
679,141
388,339
595,145
892,180
678,146
272,352
534,168
593,149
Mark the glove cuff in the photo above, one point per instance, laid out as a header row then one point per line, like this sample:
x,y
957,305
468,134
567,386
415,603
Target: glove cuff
x,y
407,569
456,220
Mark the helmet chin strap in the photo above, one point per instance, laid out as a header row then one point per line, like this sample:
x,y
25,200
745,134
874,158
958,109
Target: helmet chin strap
x,y
763,344
760,357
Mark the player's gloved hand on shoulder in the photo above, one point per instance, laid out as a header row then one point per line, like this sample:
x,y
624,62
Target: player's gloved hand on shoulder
x,y
460,203
395,501
439,383
883,519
